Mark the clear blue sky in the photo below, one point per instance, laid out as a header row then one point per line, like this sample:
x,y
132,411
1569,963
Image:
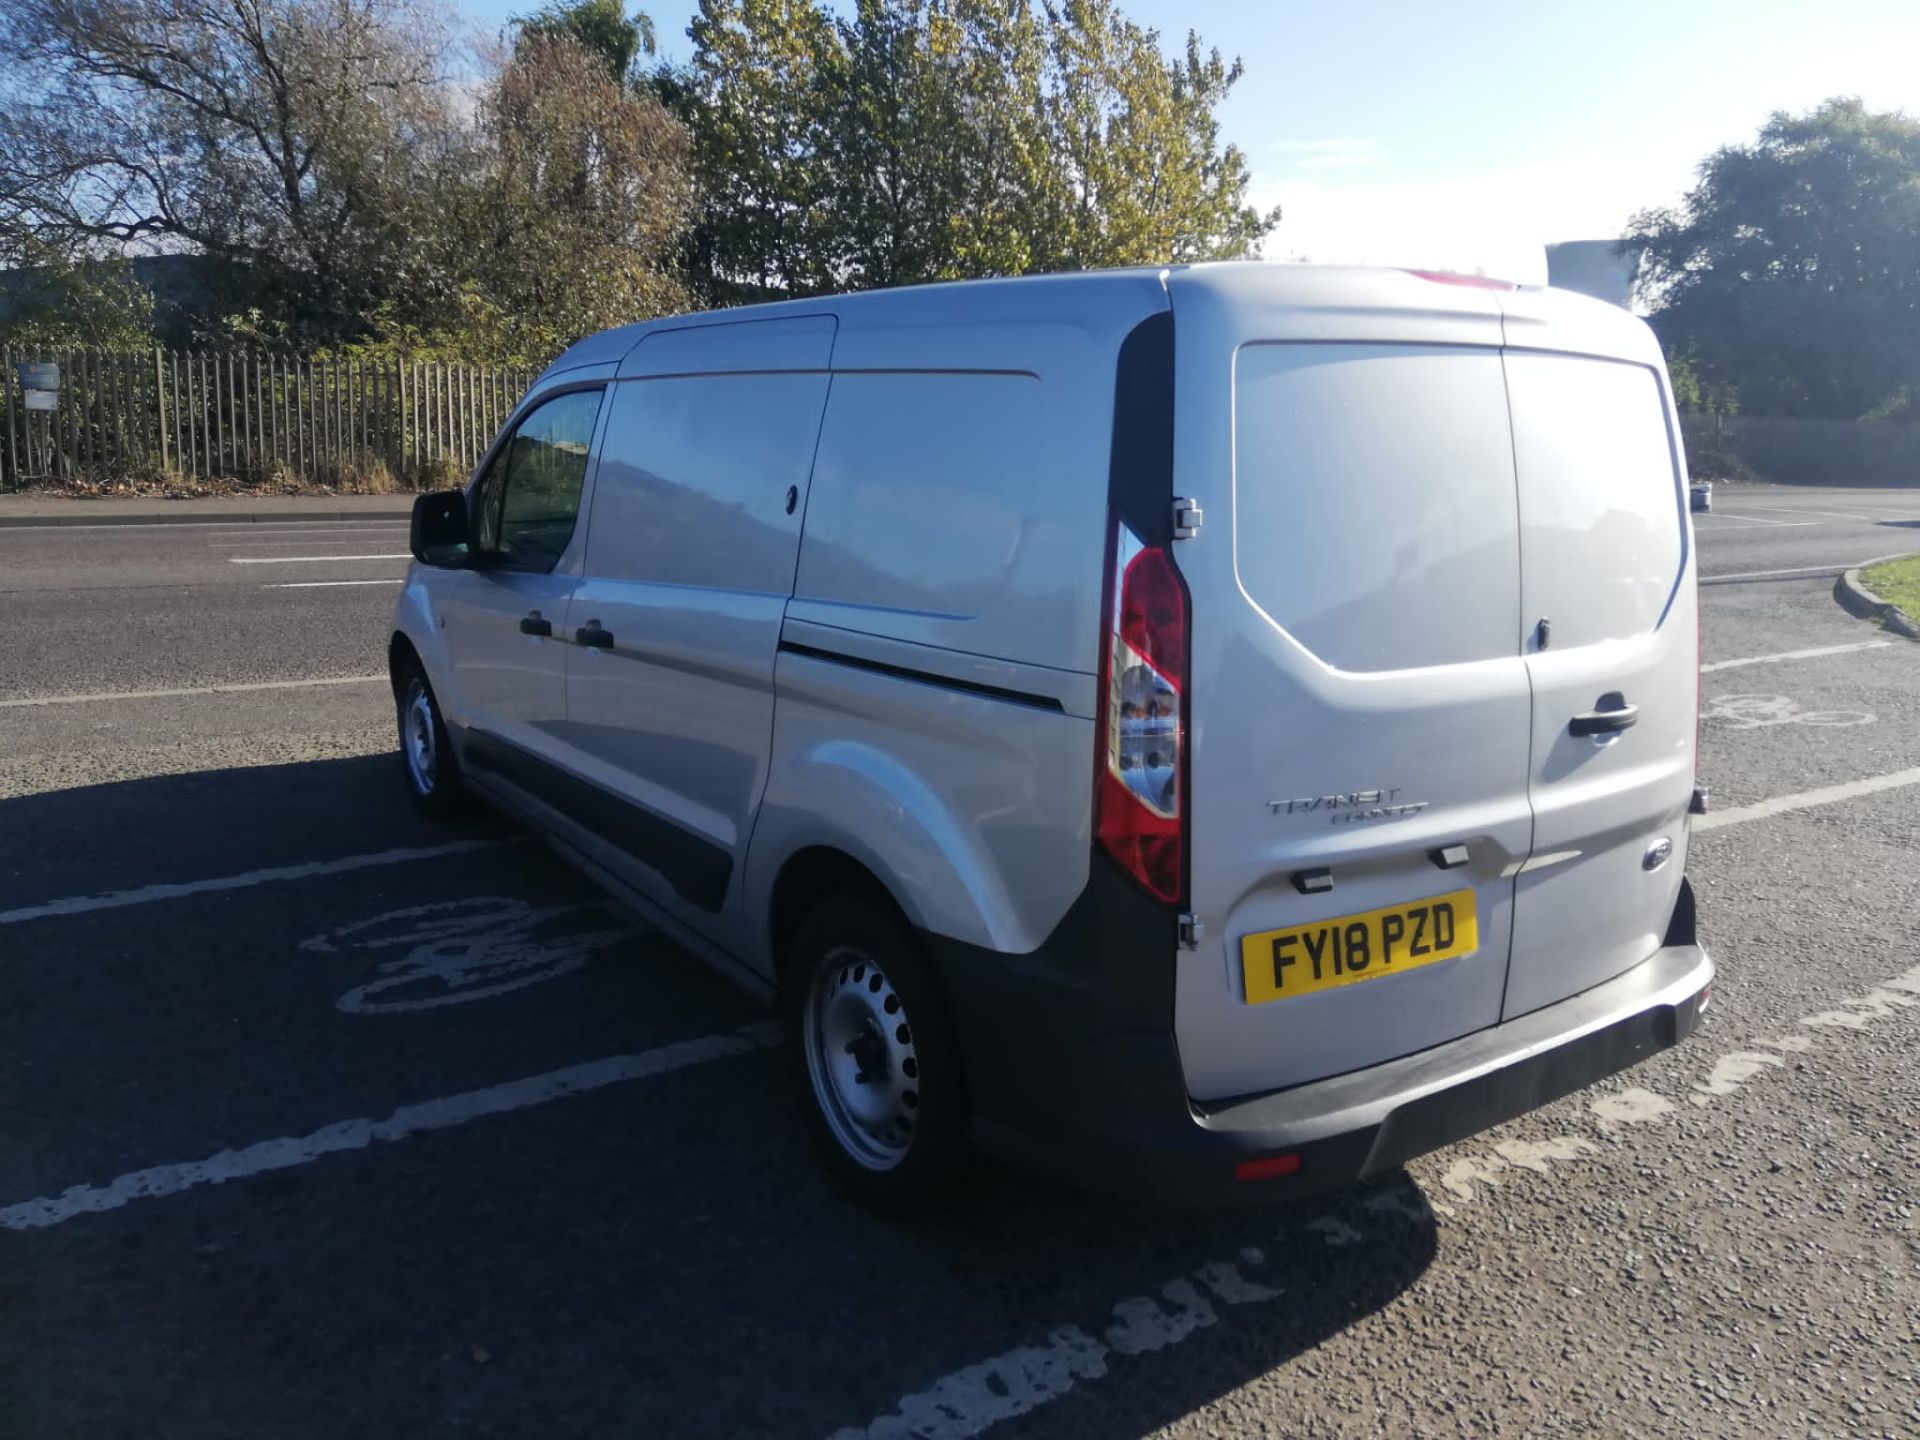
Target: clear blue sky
x,y
1468,134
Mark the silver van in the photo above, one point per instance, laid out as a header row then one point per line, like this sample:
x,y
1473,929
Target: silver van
x,y
1213,732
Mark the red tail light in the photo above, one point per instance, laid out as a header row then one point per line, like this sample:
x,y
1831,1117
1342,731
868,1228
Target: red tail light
x,y
1139,800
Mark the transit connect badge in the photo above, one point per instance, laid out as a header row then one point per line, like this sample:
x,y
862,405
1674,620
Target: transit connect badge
x,y
1351,808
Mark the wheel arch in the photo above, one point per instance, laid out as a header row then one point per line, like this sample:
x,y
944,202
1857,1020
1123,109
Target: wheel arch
x,y
400,654
805,880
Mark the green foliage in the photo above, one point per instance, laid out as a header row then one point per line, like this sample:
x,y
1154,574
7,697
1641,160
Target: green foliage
x,y
73,299
571,218
602,27
916,140
1897,583
754,98
327,161
1789,278
329,167
1697,397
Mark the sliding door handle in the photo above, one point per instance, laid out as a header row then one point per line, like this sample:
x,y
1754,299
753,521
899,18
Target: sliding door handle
x,y
535,624
593,637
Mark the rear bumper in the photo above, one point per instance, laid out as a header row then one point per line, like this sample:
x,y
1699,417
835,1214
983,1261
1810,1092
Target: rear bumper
x,y
1112,1110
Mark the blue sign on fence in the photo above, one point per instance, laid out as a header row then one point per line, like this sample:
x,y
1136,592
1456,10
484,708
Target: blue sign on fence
x,y
39,375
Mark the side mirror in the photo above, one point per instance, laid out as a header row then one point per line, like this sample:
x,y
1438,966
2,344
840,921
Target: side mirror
x,y
438,535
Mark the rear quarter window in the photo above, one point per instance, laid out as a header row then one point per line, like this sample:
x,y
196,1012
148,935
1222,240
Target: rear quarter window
x,y
1374,512
927,489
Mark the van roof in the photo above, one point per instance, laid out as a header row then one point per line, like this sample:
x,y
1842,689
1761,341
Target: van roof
x,y
1092,297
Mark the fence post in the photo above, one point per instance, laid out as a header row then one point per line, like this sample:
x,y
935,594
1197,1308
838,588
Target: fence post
x,y
123,426
6,388
160,411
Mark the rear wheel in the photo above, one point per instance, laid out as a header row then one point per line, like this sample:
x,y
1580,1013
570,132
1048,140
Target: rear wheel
x,y
426,754
875,1054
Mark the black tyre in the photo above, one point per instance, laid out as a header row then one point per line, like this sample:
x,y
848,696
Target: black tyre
x,y
426,754
871,1047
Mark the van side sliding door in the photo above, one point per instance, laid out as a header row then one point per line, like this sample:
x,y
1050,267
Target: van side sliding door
x,y
691,547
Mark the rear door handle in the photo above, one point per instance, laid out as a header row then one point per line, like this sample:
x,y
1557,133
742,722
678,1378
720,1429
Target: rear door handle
x,y
1612,715
535,624
592,636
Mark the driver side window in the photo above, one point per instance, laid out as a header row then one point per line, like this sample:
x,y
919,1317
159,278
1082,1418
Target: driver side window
x,y
527,502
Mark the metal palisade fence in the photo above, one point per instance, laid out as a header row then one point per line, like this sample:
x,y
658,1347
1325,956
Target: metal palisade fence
x,y
246,415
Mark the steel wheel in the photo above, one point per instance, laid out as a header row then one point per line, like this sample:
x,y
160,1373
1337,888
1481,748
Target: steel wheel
x,y
862,1060
418,736
426,754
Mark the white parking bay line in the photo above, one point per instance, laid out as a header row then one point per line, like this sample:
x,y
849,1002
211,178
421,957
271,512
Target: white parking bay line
x,y
1807,799
429,1115
307,559
330,584
233,689
146,894
1795,655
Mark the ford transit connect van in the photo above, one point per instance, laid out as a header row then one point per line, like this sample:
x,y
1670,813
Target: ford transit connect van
x,y
1215,732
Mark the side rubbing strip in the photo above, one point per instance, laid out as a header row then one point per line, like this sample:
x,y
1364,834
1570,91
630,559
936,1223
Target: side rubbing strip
x,y
694,866
924,677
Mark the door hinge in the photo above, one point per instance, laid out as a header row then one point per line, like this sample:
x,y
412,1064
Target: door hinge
x,y
1191,932
1187,516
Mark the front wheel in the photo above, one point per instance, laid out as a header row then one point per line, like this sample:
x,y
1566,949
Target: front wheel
x,y
426,754
870,1041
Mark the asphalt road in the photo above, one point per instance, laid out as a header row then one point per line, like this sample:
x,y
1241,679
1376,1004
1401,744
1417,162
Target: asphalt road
x,y
320,1121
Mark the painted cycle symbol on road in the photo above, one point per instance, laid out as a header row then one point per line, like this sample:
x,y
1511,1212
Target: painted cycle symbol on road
x,y
1751,712
462,950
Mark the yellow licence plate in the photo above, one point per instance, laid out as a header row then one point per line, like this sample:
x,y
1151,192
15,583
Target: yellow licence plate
x,y
1301,959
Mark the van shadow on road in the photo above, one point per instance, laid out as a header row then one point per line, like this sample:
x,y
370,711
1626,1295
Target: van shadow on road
x,y
659,1262
207,824
660,1257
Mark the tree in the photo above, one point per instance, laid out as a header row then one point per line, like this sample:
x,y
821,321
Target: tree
x,y
61,298
755,99
295,138
573,221
602,26
1144,179
326,157
920,140
1788,280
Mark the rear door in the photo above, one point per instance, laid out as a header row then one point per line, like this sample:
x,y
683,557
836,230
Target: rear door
x,y
1360,710
1609,600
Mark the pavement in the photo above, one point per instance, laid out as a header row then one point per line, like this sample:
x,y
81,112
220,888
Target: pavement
x,y
324,1121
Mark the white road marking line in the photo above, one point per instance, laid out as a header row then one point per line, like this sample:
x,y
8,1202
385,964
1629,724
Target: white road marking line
x,y
331,584
429,1115
1749,521
307,559
1743,522
175,890
1764,574
233,689
1796,655
974,1399
379,535
188,526
1021,1380
1860,515
1807,799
